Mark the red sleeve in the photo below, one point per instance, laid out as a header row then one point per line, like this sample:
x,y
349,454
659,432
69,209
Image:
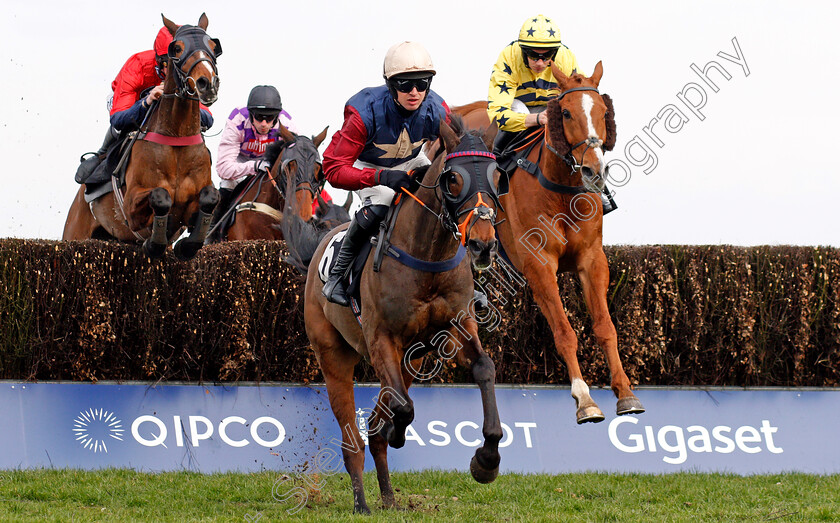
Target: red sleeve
x,y
126,86
448,112
344,149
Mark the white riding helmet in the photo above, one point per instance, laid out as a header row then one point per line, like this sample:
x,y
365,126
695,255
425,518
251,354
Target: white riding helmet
x,y
407,57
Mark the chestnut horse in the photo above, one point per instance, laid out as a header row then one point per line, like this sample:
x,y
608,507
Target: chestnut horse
x,y
403,306
260,208
553,222
167,181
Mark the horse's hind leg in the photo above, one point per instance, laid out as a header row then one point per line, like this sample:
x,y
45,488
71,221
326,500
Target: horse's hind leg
x,y
594,277
484,465
543,280
337,360
187,248
160,202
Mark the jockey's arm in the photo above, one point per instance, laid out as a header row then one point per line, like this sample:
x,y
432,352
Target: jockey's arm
x,y
344,149
228,165
501,93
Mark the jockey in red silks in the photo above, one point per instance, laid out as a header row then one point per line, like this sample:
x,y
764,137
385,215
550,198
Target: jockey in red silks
x,y
384,131
137,85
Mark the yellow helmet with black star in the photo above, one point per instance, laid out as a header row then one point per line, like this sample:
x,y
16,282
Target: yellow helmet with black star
x,y
539,32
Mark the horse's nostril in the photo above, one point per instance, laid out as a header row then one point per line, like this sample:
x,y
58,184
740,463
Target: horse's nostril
x,y
587,171
203,83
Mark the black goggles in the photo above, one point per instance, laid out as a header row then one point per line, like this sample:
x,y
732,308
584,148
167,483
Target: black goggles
x,y
405,85
264,117
545,55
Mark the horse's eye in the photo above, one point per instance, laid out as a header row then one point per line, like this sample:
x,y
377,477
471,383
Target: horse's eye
x,y
566,114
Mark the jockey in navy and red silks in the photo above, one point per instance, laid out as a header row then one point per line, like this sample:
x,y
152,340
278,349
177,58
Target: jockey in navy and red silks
x,y
384,131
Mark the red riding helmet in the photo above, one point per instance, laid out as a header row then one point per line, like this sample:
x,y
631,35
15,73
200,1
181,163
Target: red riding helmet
x,y
162,42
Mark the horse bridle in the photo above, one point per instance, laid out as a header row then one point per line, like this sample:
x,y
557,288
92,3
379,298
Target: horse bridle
x,y
591,143
483,164
195,40
293,153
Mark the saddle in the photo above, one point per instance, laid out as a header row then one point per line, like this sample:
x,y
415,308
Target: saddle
x,y
98,183
516,146
354,272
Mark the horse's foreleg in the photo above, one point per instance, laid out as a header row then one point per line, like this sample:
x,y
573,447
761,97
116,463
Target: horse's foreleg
x,y
543,280
594,277
187,248
160,201
484,465
393,398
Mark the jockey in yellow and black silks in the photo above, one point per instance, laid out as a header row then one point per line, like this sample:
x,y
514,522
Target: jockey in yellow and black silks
x,y
520,84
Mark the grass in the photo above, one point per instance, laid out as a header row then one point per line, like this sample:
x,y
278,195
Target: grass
x,y
124,495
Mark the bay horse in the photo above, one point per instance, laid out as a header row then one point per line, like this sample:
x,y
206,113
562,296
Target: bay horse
x,y
167,183
553,222
403,306
260,209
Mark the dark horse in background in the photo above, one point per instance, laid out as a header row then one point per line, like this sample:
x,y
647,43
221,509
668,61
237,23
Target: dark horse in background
x,y
402,306
259,211
553,222
167,182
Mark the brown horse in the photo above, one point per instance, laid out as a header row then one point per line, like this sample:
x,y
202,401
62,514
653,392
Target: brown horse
x,y
554,223
404,306
260,208
167,182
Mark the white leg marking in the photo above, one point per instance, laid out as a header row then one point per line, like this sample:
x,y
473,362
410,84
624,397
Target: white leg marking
x,y
579,389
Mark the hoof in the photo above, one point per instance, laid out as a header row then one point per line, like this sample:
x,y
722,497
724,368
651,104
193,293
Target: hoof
x,y
361,509
591,414
628,405
481,474
153,250
185,250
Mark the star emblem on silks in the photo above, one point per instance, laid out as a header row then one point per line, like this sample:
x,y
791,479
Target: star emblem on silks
x,y
551,32
534,20
502,120
501,109
531,31
402,148
503,88
547,20
507,69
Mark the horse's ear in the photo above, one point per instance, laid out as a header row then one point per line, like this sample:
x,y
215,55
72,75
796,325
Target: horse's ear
x,y
202,21
317,140
322,205
169,24
287,135
609,119
597,74
562,79
450,139
349,201
489,135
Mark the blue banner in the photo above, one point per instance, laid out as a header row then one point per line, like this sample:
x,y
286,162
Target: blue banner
x,y
292,428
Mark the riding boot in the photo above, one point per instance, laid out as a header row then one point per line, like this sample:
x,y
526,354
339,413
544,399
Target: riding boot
x,y
89,164
608,202
500,149
335,289
225,197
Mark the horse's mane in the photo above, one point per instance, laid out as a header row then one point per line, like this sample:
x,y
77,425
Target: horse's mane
x,y
272,152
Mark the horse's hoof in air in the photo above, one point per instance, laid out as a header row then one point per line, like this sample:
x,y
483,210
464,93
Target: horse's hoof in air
x,y
186,251
481,474
629,405
153,250
591,414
